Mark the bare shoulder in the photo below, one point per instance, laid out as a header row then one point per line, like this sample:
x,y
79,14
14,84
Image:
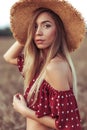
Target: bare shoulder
x,y
57,74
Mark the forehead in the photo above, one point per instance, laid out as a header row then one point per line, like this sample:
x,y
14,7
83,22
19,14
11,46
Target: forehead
x,y
45,16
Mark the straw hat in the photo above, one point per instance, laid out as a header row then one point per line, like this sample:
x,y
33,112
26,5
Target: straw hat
x,y
21,13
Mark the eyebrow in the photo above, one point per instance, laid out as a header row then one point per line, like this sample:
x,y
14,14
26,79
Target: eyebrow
x,y
45,21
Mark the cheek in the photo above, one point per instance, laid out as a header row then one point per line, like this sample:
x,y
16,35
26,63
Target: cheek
x,y
51,35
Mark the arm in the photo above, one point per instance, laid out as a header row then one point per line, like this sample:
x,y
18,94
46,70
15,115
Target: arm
x,y
45,120
13,52
19,105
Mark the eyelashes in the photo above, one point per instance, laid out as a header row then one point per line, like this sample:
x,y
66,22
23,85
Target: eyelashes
x,y
44,26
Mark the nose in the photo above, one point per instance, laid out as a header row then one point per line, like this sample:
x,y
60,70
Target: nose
x,y
39,31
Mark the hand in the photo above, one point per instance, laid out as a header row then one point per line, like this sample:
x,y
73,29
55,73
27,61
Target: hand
x,y
19,104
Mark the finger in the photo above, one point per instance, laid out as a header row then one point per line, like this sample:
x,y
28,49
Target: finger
x,y
21,97
23,100
18,96
15,99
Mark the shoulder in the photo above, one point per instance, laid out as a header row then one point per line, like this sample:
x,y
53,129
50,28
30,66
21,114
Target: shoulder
x,y
57,74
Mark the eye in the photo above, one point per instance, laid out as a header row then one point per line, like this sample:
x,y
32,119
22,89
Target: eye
x,y
36,26
47,25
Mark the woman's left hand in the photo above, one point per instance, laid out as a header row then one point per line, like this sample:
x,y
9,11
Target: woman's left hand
x,y
19,104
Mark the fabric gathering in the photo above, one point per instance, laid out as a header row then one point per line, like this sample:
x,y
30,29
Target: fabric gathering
x,y
46,33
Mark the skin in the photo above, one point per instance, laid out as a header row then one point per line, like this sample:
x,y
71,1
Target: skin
x,y
57,71
45,31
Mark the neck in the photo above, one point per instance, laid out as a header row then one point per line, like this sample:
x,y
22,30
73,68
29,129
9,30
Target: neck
x,y
44,53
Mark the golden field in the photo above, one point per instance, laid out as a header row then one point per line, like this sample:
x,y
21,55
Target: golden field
x,y
11,82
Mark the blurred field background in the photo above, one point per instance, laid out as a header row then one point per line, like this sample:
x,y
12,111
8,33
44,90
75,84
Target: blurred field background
x,y
11,82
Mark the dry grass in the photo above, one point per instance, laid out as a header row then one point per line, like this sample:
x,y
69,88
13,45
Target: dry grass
x,y
11,83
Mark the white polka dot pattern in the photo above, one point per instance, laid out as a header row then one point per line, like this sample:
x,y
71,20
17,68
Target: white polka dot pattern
x,y
20,63
60,105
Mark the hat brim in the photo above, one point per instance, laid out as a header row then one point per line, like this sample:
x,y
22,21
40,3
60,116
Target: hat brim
x,y
21,14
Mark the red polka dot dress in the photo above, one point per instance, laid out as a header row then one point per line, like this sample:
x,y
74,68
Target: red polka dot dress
x,y
60,105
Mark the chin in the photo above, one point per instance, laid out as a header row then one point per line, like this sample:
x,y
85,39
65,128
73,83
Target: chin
x,y
41,47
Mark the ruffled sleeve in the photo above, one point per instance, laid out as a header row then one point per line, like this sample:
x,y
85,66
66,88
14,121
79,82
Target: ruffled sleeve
x,y
20,63
62,106
64,109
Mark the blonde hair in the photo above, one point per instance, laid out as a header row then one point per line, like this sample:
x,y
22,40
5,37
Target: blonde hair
x,y
33,54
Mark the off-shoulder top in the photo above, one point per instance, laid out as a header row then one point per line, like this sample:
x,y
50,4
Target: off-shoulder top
x,y
60,105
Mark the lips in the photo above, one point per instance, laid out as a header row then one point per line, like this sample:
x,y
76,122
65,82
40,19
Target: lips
x,y
38,41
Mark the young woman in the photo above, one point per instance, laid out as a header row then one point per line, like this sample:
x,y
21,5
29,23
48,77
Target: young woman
x,y
48,102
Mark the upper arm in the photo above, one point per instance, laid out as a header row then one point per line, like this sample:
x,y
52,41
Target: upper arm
x,y
12,53
57,75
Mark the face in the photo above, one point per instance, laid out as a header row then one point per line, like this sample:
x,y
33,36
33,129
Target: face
x,y
45,31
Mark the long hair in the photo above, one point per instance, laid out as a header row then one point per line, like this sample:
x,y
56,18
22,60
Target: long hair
x,y
33,54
